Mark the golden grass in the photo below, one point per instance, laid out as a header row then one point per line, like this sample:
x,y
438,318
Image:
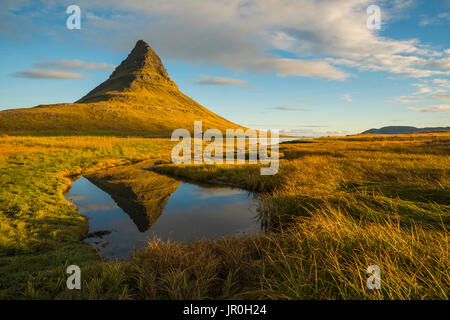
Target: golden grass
x,y
339,205
326,255
336,206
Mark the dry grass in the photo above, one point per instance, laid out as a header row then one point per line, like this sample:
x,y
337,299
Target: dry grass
x,y
336,206
340,205
326,255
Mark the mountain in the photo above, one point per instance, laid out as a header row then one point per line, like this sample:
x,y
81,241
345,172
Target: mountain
x,y
138,76
403,129
138,98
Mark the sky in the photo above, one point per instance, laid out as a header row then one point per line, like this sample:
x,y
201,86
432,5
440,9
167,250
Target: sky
x,y
308,68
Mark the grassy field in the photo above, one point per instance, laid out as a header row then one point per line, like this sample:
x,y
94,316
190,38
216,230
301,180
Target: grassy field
x,y
336,206
39,229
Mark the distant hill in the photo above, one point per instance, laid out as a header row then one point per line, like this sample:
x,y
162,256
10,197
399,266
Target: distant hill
x,y
139,98
403,129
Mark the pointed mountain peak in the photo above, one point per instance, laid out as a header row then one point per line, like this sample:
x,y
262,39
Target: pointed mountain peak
x,y
142,68
142,60
141,44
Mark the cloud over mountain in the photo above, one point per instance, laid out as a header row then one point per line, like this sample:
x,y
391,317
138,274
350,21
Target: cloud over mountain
x,y
326,39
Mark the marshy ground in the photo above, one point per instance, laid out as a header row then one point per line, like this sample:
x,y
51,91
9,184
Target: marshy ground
x,y
336,206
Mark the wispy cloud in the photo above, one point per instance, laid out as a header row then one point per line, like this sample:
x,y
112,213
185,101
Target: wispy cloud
x,y
345,97
406,99
47,74
220,81
312,132
241,37
427,89
439,19
75,65
285,125
41,71
285,108
423,90
298,68
439,108
445,96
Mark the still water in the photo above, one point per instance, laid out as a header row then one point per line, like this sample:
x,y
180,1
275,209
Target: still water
x,y
192,212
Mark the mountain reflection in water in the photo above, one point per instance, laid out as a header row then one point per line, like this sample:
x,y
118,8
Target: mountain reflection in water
x,y
158,206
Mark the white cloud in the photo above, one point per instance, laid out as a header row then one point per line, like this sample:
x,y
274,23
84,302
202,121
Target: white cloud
x,y
219,81
75,64
427,89
311,133
444,83
325,36
47,74
439,108
445,96
345,97
406,99
285,108
439,19
423,90
297,67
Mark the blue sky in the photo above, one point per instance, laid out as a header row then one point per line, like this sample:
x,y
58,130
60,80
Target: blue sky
x,y
312,67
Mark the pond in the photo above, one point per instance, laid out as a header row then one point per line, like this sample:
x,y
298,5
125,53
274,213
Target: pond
x,y
120,221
